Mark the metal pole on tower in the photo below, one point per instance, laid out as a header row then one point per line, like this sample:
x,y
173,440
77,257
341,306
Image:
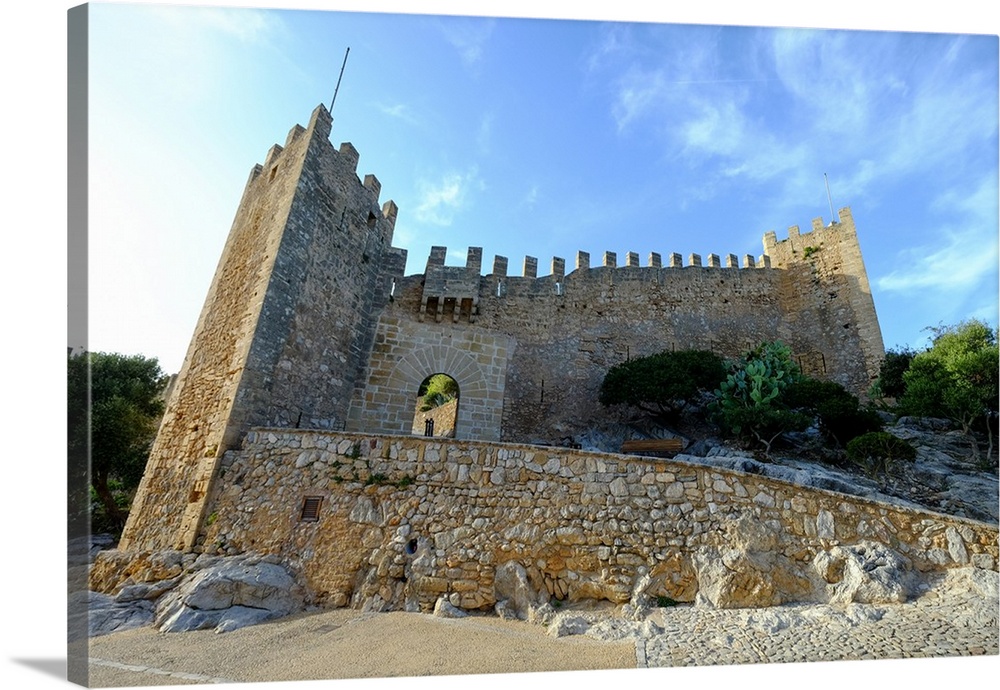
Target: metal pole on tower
x,y
829,198
339,78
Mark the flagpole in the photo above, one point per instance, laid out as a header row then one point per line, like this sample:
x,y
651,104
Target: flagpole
x,y
338,79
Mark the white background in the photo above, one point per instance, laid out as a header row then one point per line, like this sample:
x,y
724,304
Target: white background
x,y
34,337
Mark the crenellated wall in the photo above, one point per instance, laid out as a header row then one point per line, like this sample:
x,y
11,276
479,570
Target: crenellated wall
x,y
405,520
563,332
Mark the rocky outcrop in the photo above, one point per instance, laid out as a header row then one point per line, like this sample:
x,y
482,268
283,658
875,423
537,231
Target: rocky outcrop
x,y
864,573
175,593
750,571
228,594
105,614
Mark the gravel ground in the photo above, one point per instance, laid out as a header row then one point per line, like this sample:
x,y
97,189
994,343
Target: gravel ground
x,y
344,643
349,644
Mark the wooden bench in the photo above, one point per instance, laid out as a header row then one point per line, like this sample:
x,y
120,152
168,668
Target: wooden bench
x,y
653,445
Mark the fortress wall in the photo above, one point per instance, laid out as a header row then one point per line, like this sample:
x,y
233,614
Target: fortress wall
x,y
569,336
326,288
567,330
404,520
310,323
561,334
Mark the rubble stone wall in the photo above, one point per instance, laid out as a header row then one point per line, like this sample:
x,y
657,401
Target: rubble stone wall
x,y
397,522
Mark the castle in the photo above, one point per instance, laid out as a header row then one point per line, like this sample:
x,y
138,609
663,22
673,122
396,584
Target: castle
x,y
293,428
310,323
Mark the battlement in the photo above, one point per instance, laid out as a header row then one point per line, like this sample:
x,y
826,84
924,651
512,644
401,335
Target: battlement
x,y
474,263
796,240
347,156
455,291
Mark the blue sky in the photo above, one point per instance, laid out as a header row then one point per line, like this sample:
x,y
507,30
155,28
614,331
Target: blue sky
x,y
544,137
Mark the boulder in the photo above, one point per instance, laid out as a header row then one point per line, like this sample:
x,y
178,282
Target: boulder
x,y
748,569
976,582
865,573
106,615
228,594
514,594
564,624
148,591
445,609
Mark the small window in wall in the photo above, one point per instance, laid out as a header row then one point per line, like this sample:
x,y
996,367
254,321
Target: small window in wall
x,y
310,508
436,408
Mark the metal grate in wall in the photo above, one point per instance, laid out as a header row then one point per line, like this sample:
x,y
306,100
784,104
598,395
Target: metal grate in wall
x,y
310,508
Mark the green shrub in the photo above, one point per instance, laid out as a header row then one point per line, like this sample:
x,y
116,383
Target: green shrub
x,y
877,452
839,413
663,383
890,382
437,390
376,478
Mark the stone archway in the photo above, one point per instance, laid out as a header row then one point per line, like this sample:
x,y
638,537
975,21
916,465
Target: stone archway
x,y
411,351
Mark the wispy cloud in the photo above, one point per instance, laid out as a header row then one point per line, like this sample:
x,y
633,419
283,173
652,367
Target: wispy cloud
x,y
442,199
468,36
639,93
945,119
246,24
966,256
183,51
398,111
250,26
959,264
826,77
531,197
798,101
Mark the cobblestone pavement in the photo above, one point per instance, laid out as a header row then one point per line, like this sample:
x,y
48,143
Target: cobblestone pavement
x,y
931,626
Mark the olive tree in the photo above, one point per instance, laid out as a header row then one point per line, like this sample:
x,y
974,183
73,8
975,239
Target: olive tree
x,y
957,378
115,404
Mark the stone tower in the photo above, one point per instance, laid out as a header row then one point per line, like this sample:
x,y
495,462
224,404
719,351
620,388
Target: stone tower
x,y
286,327
826,299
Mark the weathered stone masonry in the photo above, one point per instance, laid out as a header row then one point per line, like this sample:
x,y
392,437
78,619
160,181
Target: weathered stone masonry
x,y
405,520
302,375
